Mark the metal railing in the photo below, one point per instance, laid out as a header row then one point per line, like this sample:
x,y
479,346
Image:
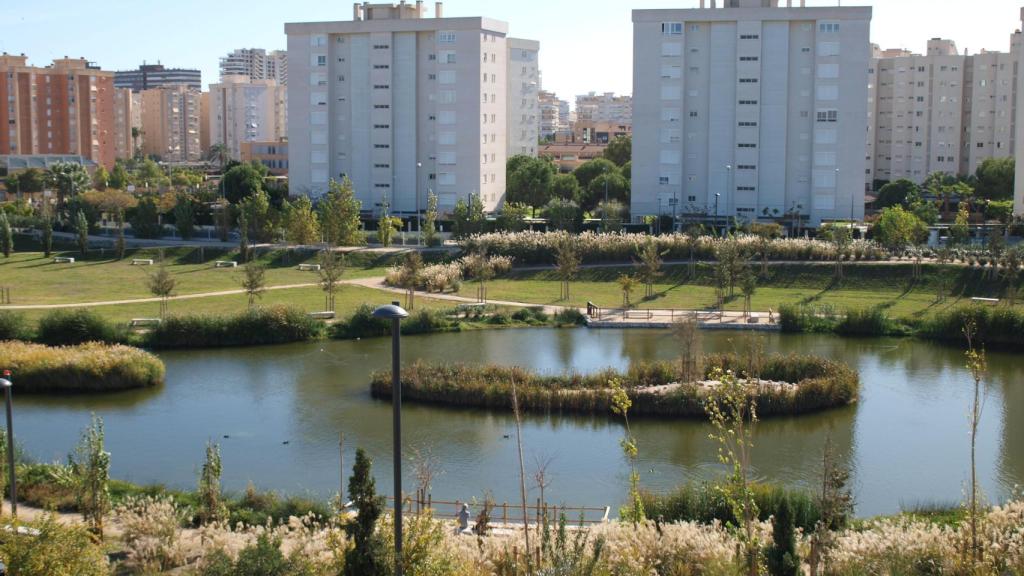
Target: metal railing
x,y
504,512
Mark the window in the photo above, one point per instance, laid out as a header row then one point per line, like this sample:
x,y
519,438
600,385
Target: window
x,y
828,48
382,126
318,41
828,27
693,113
663,180
828,71
671,92
828,92
447,57
447,117
446,97
749,36
748,102
446,158
746,145
382,106
446,37
746,167
745,189
670,115
749,58
319,60
748,80
672,28
446,77
382,146
446,138
446,179
669,157
385,166
670,72
381,47
671,49
381,86
748,124
828,116
381,66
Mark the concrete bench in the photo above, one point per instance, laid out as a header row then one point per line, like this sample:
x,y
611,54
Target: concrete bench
x,y
309,267
136,322
63,260
326,315
225,264
142,261
988,301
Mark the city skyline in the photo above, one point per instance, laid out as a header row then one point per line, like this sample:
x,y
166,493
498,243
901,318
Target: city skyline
x,y
560,28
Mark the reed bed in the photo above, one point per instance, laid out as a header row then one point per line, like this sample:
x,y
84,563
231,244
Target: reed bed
x,y
706,503
273,325
812,384
90,367
539,247
1000,327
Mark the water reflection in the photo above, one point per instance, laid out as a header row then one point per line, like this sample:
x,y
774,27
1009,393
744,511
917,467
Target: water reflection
x,y
278,412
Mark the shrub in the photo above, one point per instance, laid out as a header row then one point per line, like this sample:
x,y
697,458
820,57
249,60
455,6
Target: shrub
x,y
997,327
866,322
76,326
58,550
362,324
91,367
570,317
255,508
534,315
13,326
150,529
706,503
499,319
258,326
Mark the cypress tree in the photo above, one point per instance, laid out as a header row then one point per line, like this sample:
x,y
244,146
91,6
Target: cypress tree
x,y
782,558
6,235
82,227
366,557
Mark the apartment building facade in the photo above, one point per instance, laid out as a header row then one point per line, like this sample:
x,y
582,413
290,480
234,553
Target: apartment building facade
x,y
149,76
402,104
523,96
1018,191
170,123
550,110
127,122
943,111
67,108
256,64
752,111
605,108
244,110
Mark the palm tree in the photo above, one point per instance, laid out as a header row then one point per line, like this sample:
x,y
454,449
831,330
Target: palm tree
x,y
218,153
69,179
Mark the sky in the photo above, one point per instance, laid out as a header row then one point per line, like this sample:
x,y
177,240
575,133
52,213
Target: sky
x,y
586,45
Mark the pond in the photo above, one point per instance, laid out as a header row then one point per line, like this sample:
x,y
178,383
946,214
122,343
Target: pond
x,y
277,413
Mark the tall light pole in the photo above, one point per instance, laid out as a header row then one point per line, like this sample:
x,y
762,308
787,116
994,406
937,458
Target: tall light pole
x,y
419,217
717,196
729,188
395,313
604,210
6,384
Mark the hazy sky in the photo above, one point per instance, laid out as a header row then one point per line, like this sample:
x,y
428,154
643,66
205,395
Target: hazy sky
x,y
585,44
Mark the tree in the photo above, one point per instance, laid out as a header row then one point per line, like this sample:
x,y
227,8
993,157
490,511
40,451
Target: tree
x,y
211,505
222,217
480,269
619,150
243,237
82,229
146,223
90,467
926,210
259,218
468,219
302,226
161,285
1011,262
339,215
835,503
6,235
513,217
218,153
100,178
994,179
567,260
978,366
29,181
409,276
184,216
429,230
47,231
649,266
332,267
528,181
621,403
387,227
897,228
611,186
591,169
149,174
563,214
940,185
765,233
254,282
627,284
69,179
841,236
782,556
687,333
366,556
119,243
184,178
960,231
241,182
118,177
731,261
613,215
627,172
748,285
566,187
896,193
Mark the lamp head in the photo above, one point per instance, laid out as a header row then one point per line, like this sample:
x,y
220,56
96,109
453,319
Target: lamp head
x,y
390,312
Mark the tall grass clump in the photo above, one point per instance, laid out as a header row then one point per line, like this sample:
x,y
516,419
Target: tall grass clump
x,y
705,503
362,324
90,367
66,327
258,326
790,385
867,322
996,326
13,326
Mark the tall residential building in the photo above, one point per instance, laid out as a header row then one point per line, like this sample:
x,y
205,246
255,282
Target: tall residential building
x,y
244,110
127,122
605,108
149,76
944,111
550,115
1018,190
523,96
204,122
256,64
170,123
66,108
402,104
752,111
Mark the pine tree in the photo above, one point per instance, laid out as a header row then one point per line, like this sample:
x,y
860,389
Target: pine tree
x,y
119,246
6,235
47,235
82,227
366,557
782,558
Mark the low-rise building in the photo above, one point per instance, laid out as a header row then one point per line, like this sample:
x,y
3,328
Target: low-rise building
x,y
569,157
272,154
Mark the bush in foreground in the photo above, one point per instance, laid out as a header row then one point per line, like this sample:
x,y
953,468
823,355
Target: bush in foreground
x,y
997,326
91,367
66,327
362,324
13,326
58,550
274,325
706,503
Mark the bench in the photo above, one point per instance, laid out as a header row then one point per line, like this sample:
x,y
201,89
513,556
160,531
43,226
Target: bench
x,y
309,267
63,260
225,264
142,261
988,301
136,322
326,315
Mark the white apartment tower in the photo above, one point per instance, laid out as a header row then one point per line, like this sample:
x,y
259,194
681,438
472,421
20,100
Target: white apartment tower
x,y
243,110
754,110
606,108
1018,193
523,97
256,64
402,104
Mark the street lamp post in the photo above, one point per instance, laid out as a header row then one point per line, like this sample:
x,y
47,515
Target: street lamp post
x,y
604,209
717,196
396,313
419,217
6,384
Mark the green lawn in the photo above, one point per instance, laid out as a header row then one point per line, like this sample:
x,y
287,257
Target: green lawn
x,y
865,286
34,279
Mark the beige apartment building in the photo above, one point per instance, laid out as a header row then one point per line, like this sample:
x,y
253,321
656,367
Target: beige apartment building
x,y
170,123
66,108
127,122
244,110
943,111
1018,195
606,108
523,97
204,122
256,64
